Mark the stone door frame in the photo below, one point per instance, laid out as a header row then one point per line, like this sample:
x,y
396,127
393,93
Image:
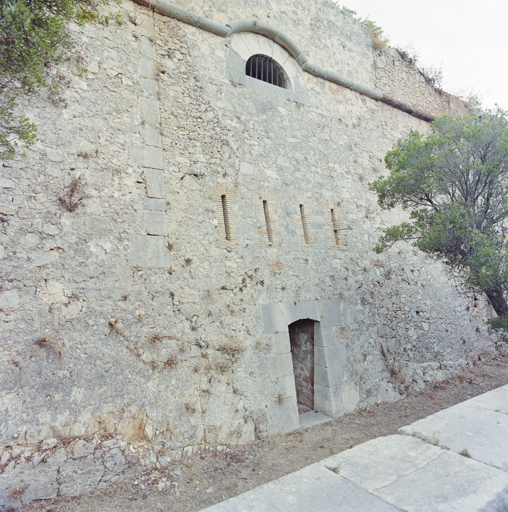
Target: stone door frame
x,y
332,396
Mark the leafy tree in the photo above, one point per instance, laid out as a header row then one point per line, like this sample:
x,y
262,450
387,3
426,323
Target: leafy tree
x,y
455,185
33,38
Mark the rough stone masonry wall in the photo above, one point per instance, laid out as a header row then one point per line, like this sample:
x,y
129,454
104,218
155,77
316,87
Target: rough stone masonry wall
x,y
393,76
136,317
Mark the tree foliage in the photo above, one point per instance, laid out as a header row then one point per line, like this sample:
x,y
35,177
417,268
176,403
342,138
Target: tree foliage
x,y
455,185
33,38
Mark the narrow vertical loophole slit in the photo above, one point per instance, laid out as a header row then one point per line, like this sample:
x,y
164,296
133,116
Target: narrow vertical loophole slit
x,y
225,215
336,228
306,235
268,221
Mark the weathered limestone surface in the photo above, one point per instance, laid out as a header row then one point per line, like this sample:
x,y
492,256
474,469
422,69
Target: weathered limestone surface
x,y
140,314
413,475
485,437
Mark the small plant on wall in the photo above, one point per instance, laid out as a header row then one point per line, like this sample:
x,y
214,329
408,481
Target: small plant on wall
x,y
49,342
376,32
74,196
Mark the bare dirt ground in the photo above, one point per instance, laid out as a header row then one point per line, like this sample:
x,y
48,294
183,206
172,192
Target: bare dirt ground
x,y
204,480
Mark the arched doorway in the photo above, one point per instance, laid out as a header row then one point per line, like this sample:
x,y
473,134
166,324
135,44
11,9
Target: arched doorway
x,y
301,336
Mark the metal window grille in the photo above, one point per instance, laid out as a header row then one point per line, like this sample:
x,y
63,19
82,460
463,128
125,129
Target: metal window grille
x,y
266,69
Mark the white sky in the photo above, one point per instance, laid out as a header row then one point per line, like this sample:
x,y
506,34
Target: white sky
x,y
469,38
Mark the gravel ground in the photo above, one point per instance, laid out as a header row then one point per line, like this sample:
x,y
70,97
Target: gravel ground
x,y
204,480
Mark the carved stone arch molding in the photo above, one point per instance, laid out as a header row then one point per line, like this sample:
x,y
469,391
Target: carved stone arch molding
x,y
243,45
334,393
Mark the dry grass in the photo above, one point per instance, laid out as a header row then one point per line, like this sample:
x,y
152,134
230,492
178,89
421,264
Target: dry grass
x,y
74,196
113,324
170,362
232,350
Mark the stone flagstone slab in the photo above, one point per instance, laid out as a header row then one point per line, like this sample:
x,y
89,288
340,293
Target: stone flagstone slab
x,y
312,418
479,425
311,489
416,476
450,483
382,461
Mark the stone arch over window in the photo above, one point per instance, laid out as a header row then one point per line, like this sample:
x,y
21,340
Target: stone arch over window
x,y
244,46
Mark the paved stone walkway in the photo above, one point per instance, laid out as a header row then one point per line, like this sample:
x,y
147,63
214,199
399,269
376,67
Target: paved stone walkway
x,y
455,460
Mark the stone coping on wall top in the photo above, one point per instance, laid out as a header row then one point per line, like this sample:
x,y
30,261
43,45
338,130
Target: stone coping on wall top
x,y
259,27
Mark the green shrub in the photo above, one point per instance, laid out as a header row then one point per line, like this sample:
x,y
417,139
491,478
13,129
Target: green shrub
x,y
34,38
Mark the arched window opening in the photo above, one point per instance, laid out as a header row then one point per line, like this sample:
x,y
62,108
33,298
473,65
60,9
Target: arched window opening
x,y
266,69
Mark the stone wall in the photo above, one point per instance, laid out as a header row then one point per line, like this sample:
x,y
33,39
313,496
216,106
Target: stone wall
x,y
127,306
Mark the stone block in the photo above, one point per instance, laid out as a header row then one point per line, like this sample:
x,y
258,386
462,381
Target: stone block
x,y
147,68
149,111
399,456
312,488
6,457
80,449
495,400
114,461
151,135
280,365
79,476
485,438
154,204
57,458
235,62
328,400
241,46
43,483
310,309
237,76
38,482
273,319
326,336
155,223
146,48
328,377
306,309
149,85
289,311
154,183
95,225
147,156
281,343
330,357
282,417
285,386
149,252
246,168
195,351
457,483
5,183
146,26
9,300
332,313
49,443
301,97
